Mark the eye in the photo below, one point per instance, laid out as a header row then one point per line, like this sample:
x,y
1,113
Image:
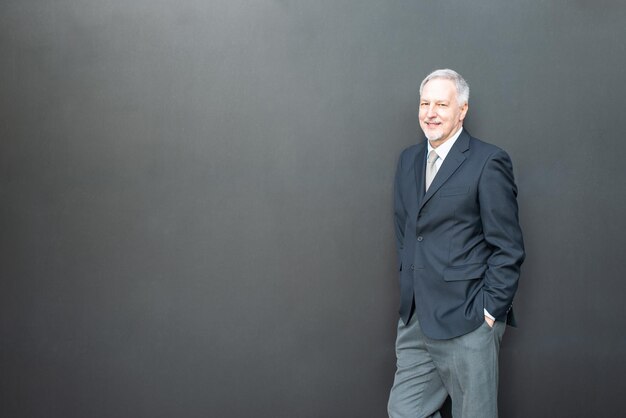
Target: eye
x,y
443,105
423,104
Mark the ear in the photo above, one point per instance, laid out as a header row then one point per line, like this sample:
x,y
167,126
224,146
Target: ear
x,y
464,109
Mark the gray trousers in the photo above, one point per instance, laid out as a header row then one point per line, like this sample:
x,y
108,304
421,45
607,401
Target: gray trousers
x,y
465,367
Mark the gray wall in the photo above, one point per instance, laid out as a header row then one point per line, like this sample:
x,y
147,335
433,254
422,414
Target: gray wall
x,y
196,200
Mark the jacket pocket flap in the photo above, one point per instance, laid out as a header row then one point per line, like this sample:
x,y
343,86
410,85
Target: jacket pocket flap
x,y
466,272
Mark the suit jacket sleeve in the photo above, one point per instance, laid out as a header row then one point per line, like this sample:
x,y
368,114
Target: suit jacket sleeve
x,y
399,213
499,214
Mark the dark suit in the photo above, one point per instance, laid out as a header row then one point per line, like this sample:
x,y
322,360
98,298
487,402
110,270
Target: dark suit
x,y
459,244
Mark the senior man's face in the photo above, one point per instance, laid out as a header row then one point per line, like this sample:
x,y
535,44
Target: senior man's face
x,y
440,113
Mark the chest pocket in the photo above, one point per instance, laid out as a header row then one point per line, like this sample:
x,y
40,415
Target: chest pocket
x,y
453,191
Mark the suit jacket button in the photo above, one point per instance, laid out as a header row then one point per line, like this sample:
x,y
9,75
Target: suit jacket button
x,y
420,238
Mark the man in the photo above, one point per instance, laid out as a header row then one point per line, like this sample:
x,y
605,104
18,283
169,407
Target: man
x,y
460,249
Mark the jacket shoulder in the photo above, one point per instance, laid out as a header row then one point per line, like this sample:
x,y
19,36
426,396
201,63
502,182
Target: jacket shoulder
x,y
484,148
410,152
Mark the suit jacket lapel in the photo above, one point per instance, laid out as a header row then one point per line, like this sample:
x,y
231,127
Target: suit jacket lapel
x,y
453,161
420,172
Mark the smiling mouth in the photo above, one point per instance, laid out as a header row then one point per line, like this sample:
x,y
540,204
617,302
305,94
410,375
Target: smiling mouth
x,y
433,124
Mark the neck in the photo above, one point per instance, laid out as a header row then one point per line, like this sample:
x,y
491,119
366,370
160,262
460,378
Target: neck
x,y
437,142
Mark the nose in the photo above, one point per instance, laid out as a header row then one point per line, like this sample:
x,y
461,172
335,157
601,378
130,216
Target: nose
x,y
430,112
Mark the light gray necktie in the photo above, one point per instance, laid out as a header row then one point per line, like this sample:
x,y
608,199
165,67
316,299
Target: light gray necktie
x,y
431,168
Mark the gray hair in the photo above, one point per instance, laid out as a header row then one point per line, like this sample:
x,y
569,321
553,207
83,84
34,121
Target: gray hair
x,y
462,88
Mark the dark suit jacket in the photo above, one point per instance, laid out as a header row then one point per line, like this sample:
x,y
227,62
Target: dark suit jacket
x,y
460,245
